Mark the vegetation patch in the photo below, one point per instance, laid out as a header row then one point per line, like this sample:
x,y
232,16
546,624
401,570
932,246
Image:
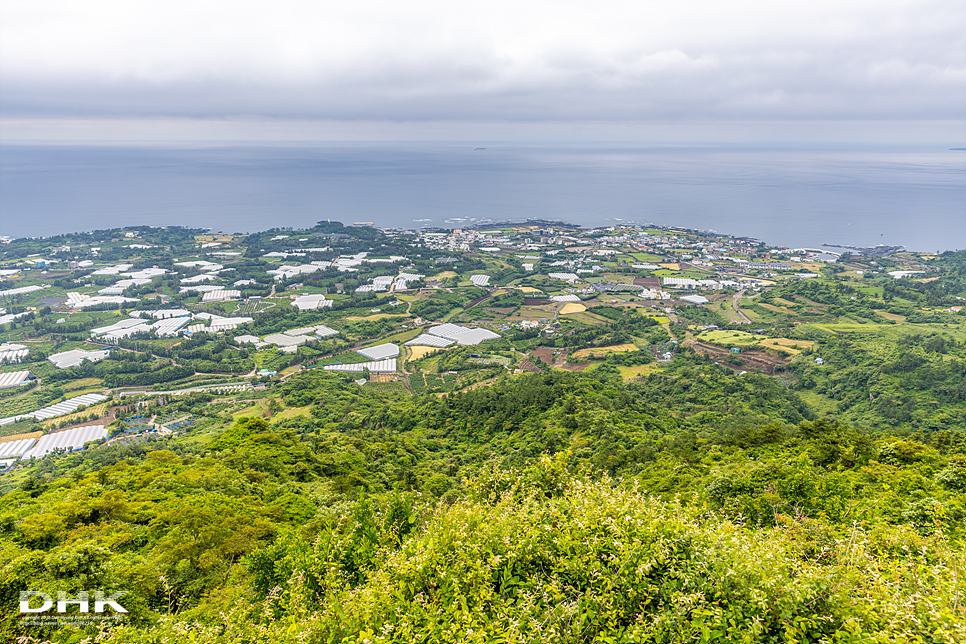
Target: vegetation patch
x,y
730,338
348,357
598,352
776,309
375,316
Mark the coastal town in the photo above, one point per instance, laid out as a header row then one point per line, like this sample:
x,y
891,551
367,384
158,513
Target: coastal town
x,y
141,332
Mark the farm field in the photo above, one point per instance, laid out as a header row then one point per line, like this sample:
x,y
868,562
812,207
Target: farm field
x,y
895,317
777,309
638,371
729,338
417,352
595,352
572,307
785,344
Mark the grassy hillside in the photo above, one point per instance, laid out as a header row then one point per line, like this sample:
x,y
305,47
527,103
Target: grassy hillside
x,y
547,507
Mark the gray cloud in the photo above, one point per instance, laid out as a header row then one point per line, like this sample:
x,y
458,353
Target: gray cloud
x,y
524,61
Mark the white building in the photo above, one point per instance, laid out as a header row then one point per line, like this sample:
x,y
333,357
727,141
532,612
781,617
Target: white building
x,y
13,353
15,379
76,357
221,295
380,352
377,366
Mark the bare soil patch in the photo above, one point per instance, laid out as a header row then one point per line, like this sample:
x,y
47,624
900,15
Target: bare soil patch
x,y
648,282
549,356
477,301
753,360
526,365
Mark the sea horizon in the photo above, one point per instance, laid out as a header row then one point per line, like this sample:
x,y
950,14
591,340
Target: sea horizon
x,y
802,194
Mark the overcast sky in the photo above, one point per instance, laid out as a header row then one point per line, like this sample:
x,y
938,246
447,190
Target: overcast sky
x,y
876,69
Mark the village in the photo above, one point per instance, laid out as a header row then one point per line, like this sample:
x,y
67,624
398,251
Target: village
x,y
96,323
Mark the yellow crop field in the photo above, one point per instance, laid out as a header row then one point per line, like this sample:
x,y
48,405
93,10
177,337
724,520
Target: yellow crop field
x,y
895,317
628,373
415,353
785,344
376,316
217,238
98,410
20,437
572,307
602,351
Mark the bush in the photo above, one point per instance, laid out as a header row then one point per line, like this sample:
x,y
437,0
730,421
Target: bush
x,y
582,560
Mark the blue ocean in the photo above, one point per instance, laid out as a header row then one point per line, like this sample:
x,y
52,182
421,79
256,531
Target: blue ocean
x,y
791,195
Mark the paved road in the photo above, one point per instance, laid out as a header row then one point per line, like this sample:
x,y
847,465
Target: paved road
x,y
734,305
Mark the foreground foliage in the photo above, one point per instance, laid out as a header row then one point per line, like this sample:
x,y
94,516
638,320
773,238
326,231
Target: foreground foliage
x,y
547,507
542,556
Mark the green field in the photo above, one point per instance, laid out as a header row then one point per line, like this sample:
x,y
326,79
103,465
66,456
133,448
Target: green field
x,y
729,338
647,258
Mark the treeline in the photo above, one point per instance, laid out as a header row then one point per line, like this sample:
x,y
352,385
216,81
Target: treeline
x,y
442,302
124,369
622,330
917,381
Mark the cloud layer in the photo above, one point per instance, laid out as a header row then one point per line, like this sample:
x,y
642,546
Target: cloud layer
x,y
564,60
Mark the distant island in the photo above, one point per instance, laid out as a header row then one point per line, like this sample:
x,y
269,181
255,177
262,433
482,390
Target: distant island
x,y
880,250
539,223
